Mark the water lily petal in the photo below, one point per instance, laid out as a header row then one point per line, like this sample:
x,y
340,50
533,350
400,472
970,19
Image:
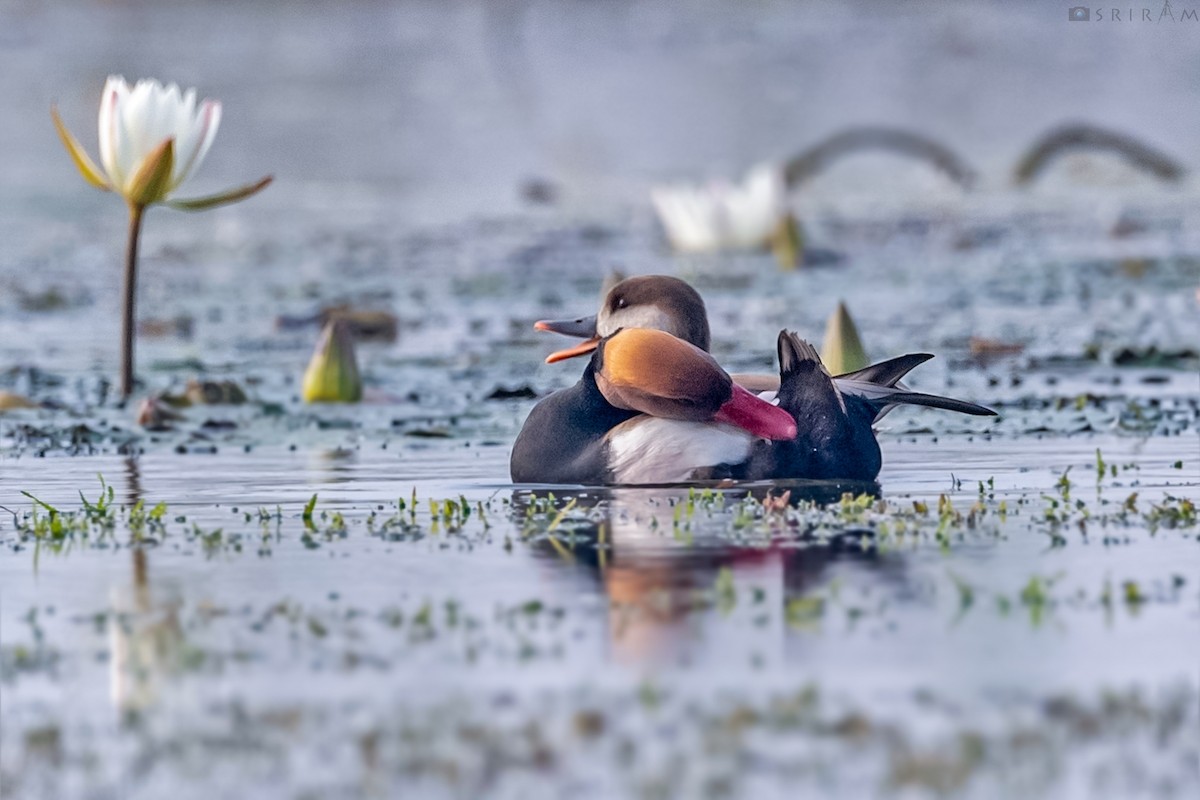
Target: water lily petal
x,y
211,110
115,90
689,217
83,162
127,136
720,215
163,110
134,122
158,123
754,208
223,198
152,181
188,127
200,137
132,140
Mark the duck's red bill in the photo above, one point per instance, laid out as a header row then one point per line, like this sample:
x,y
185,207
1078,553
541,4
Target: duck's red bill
x,y
755,416
581,349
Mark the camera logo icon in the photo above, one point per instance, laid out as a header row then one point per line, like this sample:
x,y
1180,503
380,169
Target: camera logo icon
x,y
1079,14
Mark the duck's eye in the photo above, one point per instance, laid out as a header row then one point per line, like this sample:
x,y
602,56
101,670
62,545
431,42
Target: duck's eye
x,y
621,302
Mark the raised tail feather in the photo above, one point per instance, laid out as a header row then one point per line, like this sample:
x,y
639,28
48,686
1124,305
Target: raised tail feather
x,y
794,351
879,384
802,373
835,416
887,373
899,397
834,437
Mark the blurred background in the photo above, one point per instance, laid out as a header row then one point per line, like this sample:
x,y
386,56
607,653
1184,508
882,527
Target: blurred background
x,y
409,112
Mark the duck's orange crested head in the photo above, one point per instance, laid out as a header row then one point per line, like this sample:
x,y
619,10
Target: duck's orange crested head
x,y
647,370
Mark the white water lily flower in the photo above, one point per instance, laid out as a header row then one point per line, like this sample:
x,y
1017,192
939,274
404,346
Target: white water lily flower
x,y
152,138
720,216
134,121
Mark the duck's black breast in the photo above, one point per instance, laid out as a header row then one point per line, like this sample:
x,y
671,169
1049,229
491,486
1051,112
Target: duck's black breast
x,y
562,440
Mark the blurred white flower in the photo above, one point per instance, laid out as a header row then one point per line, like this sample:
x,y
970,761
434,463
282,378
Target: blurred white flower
x,y
721,216
152,138
146,647
134,121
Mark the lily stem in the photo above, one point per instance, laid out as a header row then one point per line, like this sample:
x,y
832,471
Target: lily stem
x,y
128,322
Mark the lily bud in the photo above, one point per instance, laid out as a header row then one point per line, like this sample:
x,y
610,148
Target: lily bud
x,y
332,374
787,243
842,351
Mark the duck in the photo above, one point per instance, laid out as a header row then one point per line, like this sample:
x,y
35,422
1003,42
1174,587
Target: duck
x,y
650,408
834,415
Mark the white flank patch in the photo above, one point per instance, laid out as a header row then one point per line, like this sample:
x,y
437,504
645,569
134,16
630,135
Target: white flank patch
x,y
656,450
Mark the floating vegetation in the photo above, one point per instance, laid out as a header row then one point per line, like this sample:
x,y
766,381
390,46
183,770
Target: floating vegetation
x,y
362,324
207,392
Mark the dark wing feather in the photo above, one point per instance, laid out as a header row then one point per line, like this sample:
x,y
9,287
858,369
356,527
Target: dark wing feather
x,y
887,373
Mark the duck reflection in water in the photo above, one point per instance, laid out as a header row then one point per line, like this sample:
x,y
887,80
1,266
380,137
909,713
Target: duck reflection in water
x,y
700,593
